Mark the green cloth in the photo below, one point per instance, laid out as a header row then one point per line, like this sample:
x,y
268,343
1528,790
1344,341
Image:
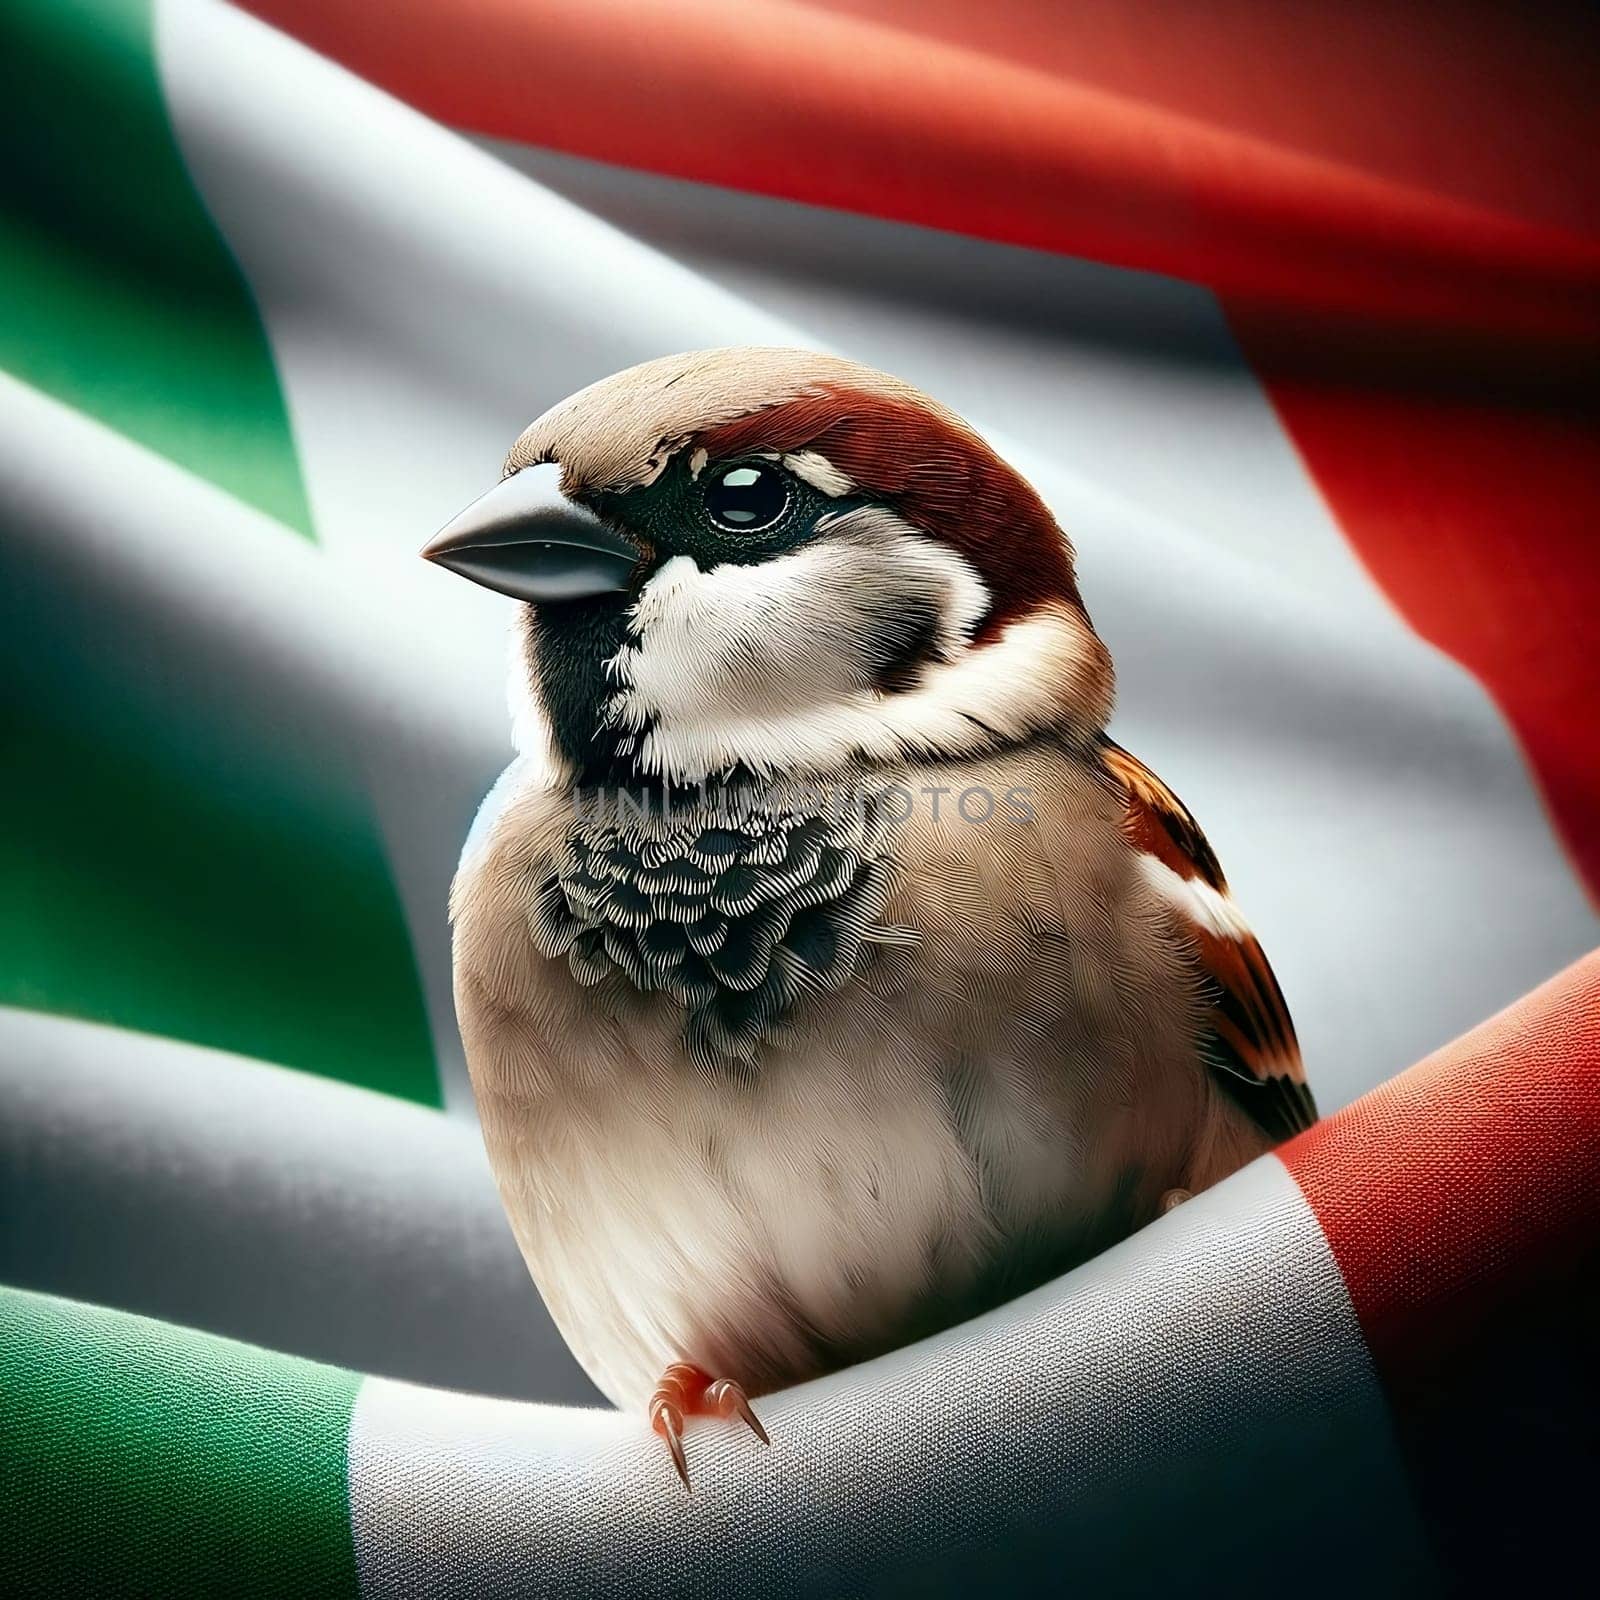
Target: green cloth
x,y
144,1459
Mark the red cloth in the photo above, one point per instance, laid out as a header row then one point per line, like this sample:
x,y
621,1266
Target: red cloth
x,y
1467,1180
1462,1203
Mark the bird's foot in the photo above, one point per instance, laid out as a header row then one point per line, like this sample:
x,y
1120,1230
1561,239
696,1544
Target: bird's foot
x,y
1174,1198
686,1390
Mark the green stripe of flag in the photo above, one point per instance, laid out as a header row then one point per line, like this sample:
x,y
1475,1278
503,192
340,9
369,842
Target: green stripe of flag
x,y
117,294
144,1459
215,876
202,895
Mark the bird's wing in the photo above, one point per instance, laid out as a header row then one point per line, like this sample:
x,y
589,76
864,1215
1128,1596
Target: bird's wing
x,y
1249,1038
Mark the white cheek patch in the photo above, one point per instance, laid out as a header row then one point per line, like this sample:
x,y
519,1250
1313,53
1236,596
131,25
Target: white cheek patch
x,y
803,630
795,628
734,641
768,665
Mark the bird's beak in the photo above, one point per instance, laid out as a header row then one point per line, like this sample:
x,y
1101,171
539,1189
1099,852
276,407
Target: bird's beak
x,y
524,538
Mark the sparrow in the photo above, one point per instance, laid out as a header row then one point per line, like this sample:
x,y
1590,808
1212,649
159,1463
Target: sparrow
x,y
826,973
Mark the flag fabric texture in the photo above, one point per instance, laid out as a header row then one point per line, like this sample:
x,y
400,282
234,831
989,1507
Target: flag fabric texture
x,y
1294,320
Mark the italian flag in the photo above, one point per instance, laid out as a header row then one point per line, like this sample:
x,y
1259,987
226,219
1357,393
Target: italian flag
x,y
1293,318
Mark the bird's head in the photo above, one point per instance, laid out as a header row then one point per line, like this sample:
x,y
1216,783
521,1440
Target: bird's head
x,y
780,562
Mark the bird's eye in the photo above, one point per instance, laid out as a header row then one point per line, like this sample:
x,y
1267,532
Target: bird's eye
x,y
746,497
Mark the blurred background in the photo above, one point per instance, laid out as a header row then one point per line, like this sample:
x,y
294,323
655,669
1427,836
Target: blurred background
x,y
1291,312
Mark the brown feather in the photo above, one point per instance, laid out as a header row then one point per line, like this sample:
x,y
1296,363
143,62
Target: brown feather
x,y
1250,1040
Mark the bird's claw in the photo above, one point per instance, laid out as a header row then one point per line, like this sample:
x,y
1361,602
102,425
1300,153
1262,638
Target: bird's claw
x,y
727,1399
667,1420
687,1390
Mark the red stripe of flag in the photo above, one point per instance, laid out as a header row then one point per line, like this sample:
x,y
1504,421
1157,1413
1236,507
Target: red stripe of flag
x,y
869,110
1470,1178
1462,1203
